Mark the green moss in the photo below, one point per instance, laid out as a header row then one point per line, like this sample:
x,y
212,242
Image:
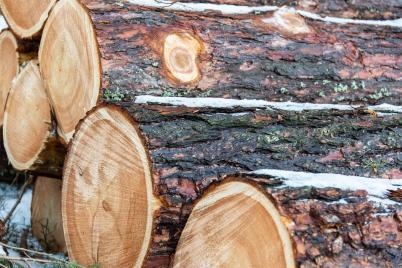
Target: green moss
x,y
112,96
325,82
372,164
379,94
340,88
354,85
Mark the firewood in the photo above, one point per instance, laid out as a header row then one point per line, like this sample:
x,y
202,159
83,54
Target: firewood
x,y
282,56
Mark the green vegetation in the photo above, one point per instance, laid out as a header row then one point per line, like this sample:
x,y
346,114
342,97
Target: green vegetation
x,y
379,94
112,96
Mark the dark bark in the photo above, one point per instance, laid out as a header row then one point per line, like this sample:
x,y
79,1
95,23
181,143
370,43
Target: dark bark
x,y
192,147
7,172
198,143
246,58
51,160
361,9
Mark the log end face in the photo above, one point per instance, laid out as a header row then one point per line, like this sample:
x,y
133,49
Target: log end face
x,y
287,21
47,223
8,66
26,17
234,225
180,57
27,118
107,198
70,64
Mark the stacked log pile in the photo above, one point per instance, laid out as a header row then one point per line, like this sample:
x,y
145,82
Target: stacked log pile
x,y
188,125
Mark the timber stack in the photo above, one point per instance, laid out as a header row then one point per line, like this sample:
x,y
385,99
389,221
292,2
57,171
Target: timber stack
x,y
209,134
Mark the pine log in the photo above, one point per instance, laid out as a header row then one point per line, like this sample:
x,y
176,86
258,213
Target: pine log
x,y
30,139
26,17
46,219
128,186
9,69
279,56
8,66
241,224
360,9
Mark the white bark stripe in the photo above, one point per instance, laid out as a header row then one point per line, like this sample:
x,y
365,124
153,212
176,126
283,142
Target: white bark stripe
x,y
261,104
238,10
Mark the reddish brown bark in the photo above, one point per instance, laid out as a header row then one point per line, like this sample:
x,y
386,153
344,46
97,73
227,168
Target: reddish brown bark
x,y
244,57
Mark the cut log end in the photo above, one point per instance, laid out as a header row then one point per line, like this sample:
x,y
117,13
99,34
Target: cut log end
x,y
180,55
27,118
234,225
288,22
107,201
8,66
70,64
47,224
26,17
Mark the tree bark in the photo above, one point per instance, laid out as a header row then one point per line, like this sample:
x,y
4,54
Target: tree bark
x,y
7,172
198,142
191,147
243,57
361,9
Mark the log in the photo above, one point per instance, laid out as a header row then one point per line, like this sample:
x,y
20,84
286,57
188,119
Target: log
x,y
8,66
235,225
281,56
241,223
26,17
9,69
359,9
46,219
29,134
120,173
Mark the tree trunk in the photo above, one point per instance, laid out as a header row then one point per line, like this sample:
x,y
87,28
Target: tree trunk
x,y
360,9
307,226
26,17
119,172
47,225
281,57
29,133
